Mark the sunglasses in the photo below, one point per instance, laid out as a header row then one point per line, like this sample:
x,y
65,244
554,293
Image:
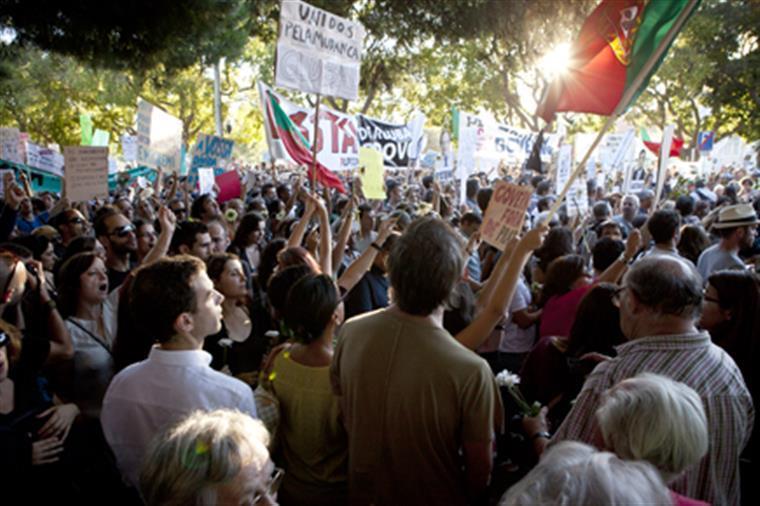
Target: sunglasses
x,y
124,231
76,221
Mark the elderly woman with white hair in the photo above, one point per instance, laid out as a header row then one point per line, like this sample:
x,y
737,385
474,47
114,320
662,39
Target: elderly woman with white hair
x,y
650,418
653,418
218,457
573,473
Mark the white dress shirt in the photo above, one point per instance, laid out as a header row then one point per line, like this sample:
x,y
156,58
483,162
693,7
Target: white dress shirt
x,y
147,397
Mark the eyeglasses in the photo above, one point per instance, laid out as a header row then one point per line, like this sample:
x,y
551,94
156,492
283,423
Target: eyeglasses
x,y
616,296
709,299
274,485
3,338
123,231
76,221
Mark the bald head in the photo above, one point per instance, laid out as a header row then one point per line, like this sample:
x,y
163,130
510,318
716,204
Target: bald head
x,y
667,285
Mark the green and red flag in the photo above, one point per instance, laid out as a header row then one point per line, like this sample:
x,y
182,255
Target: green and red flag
x,y
298,147
654,147
614,45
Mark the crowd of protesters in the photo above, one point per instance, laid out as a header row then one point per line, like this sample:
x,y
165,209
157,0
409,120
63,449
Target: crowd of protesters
x,y
300,345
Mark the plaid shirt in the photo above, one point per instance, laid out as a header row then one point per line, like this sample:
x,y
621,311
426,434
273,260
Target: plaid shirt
x,y
691,359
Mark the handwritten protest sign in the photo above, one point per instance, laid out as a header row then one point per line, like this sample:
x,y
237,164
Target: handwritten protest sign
x,y
371,173
44,159
505,214
9,145
86,172
206,180
211,151
3,172
317,51
159,137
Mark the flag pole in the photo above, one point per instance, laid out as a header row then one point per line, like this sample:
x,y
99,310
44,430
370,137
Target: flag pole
x,y
627,97
314,148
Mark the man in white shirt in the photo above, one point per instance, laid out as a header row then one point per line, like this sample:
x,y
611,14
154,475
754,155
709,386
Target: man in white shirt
x,y
176,302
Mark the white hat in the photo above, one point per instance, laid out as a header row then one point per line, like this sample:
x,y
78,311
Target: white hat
x,y
740,215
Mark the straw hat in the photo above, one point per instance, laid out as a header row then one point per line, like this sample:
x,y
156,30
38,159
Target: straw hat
x,y
740,215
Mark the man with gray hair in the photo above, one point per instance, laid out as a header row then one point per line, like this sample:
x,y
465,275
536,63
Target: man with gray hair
x,y
660,301
419,408
630,209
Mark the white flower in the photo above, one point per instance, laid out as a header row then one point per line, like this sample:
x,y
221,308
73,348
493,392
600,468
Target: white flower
x,y
225,343
507,379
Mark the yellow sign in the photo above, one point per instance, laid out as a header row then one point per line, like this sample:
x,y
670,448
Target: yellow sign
x,y
371,172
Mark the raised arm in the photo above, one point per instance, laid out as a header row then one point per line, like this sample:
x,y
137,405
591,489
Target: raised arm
x,y
353,274
325,239
296,236
344,232
496,305
168,221
613,273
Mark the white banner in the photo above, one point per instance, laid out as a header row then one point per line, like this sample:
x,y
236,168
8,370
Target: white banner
x,y
86,172
317,51
338,146
44,158
496,142
159,137
129,147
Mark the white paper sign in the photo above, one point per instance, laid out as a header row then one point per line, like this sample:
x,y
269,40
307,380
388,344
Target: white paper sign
x,y
3,172
44,158
159,137
86,172
129,147
206,180
317,51
9,145
667,140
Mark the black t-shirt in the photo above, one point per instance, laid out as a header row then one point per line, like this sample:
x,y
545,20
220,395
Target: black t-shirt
x,y
369,294
116,278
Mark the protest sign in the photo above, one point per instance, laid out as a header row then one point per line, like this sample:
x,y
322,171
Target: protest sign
x,y
229,186
337,144
44,159
577,196
505,214
705,140
9,145
211,151
371,173
85,125
667,140
397,142
86,172
206,180
3,172
159,137
129,147
564,165
100,138
496,142
317,51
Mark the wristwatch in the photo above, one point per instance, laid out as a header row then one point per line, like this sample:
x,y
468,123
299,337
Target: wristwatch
x,y
541,433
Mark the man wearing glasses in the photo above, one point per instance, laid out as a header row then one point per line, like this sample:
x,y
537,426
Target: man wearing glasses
x,y
117,234
660,301
70,224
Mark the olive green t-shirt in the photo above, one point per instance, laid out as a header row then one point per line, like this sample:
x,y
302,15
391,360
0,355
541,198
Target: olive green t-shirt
x,y
411,395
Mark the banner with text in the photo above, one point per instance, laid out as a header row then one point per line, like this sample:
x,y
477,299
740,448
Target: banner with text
x,y
505,214
159,137
338,142
9,145
489,143
398,143
44,159
317,51
211,151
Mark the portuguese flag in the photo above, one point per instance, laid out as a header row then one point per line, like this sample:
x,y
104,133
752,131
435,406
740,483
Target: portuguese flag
x,y
614,45
298,147
654,147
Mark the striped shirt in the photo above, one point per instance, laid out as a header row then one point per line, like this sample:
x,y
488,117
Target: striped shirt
x,y
691,359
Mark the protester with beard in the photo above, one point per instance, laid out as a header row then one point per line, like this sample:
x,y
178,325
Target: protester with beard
x,y
117,234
